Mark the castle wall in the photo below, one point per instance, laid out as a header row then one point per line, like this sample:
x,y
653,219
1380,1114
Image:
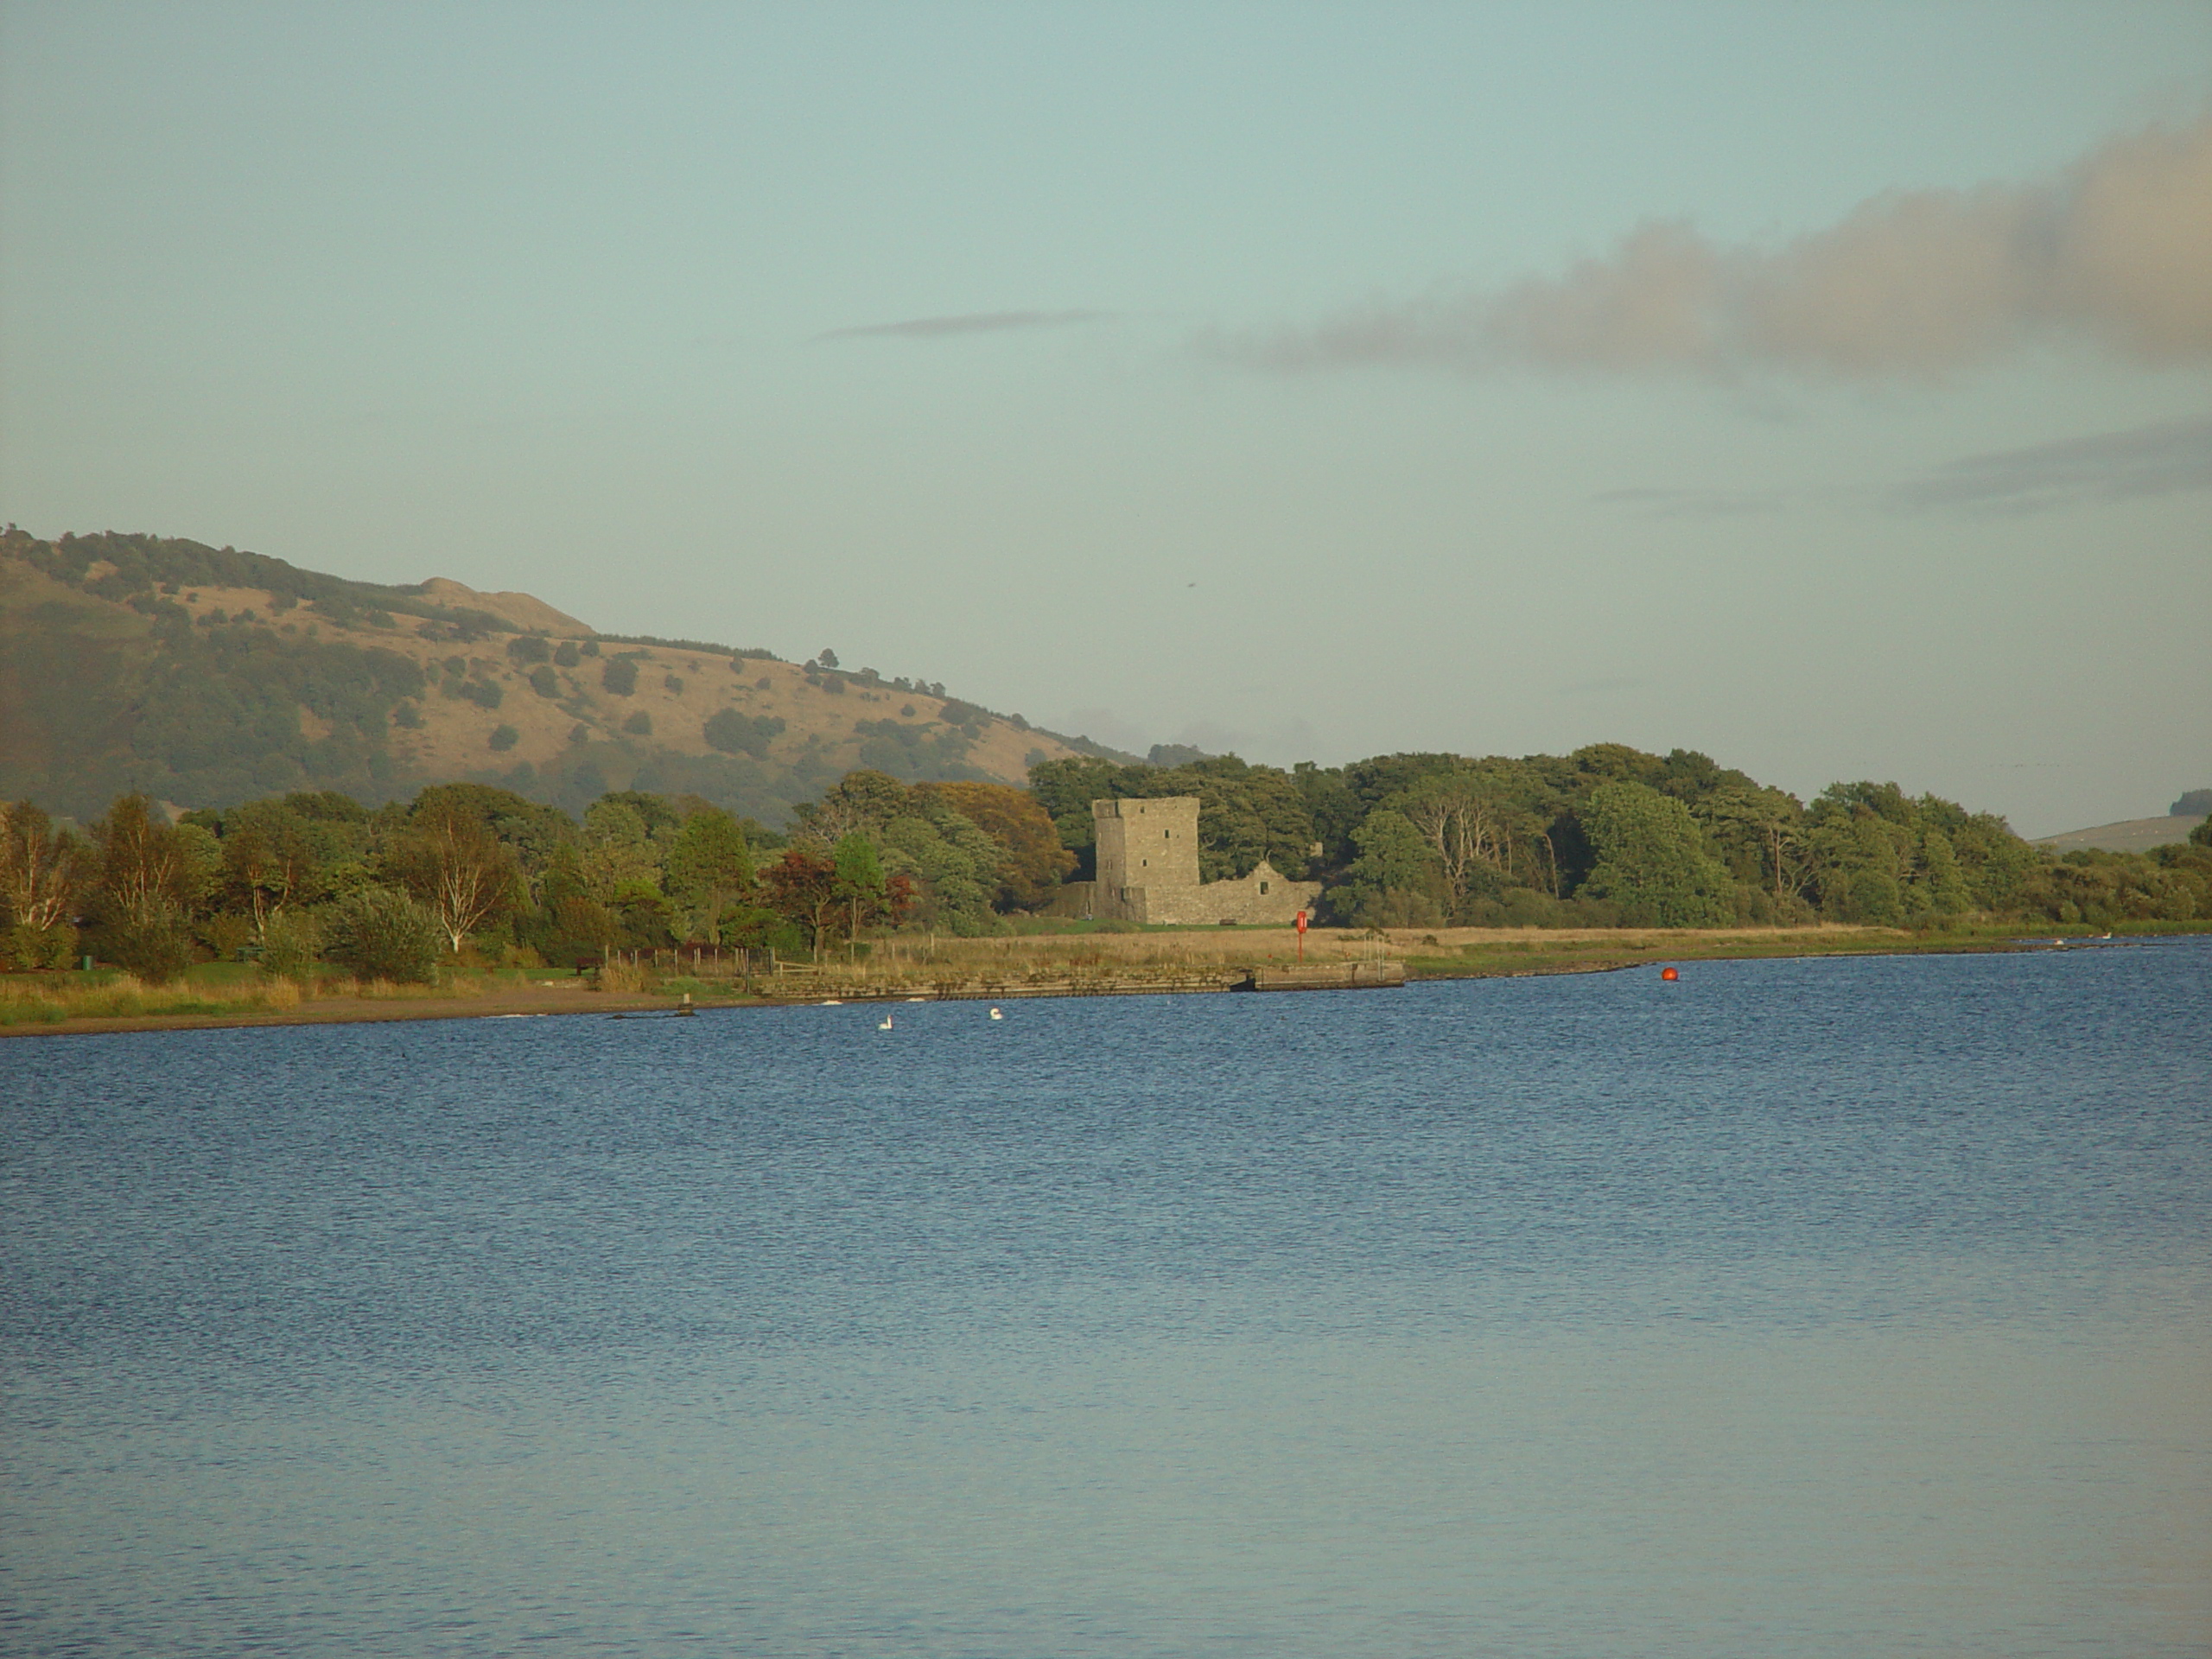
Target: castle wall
x,y
1261,898
1147,863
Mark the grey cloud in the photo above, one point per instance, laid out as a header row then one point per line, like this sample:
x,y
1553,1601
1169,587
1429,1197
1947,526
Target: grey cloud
x,y
977,322
2118,249
2160,459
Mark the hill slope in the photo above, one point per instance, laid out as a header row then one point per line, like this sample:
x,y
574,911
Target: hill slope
x,y
207,675
2129,836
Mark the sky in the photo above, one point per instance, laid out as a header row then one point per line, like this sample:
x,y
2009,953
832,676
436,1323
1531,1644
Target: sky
x,y
1827,389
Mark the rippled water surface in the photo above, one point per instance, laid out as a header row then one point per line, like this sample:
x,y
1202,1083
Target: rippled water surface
x,y
1839,1308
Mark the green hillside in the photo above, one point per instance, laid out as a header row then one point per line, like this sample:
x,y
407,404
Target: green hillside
x,y
207,675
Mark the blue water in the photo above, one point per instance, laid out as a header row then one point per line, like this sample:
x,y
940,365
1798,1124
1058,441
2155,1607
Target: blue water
x,y
1849,1307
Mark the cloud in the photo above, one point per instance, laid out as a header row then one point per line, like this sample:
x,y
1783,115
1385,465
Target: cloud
x,y
2159,460
976,322
2118,250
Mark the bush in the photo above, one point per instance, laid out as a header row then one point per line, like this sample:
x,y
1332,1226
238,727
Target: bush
x,y
505,738
528,648
24,948
381,933
640,723
156,951
544,682
619,676
566,655
290,944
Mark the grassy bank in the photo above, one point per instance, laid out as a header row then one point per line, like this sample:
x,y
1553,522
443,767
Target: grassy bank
x,y
1074,962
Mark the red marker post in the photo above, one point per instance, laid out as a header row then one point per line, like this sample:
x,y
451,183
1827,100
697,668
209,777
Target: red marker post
x,y
1301,936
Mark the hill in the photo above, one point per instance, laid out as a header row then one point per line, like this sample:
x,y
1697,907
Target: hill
x,y
2129,836
208,676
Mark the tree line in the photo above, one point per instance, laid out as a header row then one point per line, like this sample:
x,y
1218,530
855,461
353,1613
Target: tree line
x,y
471,873
1611,835
1608,836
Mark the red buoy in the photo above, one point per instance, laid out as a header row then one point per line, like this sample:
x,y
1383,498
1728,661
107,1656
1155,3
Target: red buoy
x,y
1669,973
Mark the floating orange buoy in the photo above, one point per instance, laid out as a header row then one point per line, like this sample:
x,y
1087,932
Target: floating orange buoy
x,y
1669,973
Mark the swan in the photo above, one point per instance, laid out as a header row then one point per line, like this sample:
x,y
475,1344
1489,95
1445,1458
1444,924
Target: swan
x,y
995,1014
884,1024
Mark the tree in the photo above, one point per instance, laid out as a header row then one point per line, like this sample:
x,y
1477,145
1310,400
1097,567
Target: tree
x,y
1033,862
1653,859
862,800
1394,881
619,676
709,868
41,873
735,734
861,880
452,864
803,888
269,862
151,873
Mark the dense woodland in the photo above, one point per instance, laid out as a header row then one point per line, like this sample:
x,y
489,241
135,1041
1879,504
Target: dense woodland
x,y
1607,837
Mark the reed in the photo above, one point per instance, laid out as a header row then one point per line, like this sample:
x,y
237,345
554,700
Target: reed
x,y
43,999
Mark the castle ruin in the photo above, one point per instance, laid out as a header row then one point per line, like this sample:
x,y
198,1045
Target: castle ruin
x,y
1149,870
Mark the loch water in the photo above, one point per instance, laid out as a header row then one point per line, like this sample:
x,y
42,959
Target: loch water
x,y
1836,1308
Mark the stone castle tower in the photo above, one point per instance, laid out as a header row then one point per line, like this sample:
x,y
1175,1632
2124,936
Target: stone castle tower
x,y
1146,843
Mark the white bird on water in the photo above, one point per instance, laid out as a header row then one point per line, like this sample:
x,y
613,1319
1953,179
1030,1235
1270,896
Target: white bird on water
x,y
885,1024
995,1014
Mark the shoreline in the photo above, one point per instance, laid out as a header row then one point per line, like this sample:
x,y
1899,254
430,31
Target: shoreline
x,y
1431,955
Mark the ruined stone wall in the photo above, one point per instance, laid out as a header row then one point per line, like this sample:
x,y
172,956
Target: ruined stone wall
x,y
1262,897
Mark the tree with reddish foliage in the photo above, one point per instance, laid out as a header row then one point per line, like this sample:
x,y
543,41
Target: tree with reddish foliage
x,y
803,887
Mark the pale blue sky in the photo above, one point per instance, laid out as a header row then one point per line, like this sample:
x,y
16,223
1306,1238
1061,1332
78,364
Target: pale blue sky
x,y
578,300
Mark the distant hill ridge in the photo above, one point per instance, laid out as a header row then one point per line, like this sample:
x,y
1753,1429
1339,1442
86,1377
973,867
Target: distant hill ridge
x,y
208,676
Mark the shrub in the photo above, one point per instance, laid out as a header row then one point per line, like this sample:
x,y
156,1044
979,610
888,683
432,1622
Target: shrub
x,y
619,676
407,715
640,723
566,655
381,933
505,738
155,952
289,944
674,682
544,682
528,648
25,947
